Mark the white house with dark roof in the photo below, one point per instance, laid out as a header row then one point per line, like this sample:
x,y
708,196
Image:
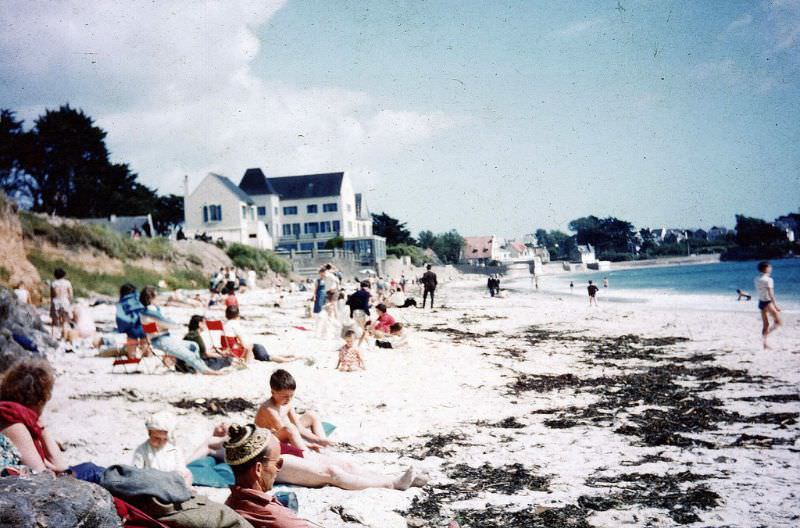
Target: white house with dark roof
x,y
221,210
299,213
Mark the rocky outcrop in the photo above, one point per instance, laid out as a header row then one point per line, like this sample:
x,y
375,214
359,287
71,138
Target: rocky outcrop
x,y
14,265
20,319
43,500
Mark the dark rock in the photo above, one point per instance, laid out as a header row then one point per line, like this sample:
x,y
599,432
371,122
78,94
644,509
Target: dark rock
x,y
44,500
21,319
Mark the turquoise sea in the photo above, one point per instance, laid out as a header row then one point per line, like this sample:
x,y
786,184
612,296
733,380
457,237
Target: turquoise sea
x,y
721,278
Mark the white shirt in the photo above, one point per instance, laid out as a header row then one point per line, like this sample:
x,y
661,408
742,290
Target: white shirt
x,y
168,458
763,284
22,295
233,328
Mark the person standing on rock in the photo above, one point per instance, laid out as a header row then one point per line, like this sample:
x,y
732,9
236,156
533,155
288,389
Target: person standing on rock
x,y
429,284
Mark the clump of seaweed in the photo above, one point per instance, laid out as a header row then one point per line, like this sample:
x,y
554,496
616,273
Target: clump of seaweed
x,y
216,406
679,493
506,423
440,445
506,479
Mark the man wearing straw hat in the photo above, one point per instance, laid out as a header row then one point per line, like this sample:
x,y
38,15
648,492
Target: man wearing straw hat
x,y
254,454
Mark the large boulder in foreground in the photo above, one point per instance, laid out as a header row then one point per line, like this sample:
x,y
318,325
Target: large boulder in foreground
x,y
46,501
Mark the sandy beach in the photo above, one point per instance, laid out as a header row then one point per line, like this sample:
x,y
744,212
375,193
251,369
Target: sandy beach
x,y
528,410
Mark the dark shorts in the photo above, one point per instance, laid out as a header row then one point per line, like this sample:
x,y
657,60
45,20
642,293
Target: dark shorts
x,y
763,304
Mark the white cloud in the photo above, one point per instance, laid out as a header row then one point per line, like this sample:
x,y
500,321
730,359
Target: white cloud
x,y
173,84
741,22
785,16
578,28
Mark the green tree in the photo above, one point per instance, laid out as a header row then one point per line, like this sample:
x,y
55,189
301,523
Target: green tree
x,y
168,213
607,235
15,149
392,229
62,166
754,232
426,239
558,243
448,246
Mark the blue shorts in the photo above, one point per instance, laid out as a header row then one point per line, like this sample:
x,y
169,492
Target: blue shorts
x,y
763,304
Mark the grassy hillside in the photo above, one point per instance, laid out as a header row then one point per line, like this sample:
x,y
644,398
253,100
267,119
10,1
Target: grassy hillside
x,y
130,256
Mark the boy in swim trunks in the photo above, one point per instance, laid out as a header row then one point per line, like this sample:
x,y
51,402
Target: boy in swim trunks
x,y
304,431
765,287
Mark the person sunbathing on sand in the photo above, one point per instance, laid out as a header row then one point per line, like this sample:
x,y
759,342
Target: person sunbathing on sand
x,y
276,414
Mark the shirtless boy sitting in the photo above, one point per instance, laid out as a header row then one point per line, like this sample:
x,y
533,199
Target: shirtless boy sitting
x,y
276,414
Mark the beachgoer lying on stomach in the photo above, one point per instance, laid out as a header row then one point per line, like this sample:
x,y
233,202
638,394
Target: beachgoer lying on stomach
x,y
161,452
25,389
186,351
197,333
255,458
233,328
350,357
276,414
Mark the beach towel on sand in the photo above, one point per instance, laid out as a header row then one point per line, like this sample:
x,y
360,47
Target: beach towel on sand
x,y
207,471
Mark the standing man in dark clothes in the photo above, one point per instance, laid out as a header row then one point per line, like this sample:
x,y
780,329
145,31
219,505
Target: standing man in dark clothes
x,y
429,283
592,293
490,285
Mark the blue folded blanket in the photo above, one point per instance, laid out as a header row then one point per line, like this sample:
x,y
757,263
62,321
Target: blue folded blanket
x,y
207,471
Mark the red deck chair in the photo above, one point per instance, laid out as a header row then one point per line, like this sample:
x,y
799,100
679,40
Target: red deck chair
x,y
213,325
228,345
142,347
150,333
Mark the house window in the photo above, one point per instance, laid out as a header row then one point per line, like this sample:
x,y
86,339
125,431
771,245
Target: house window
x,y
311,228
262,211
324,227
287,230
276,211
336,226
290,210
212,213
244,212
311,209
296,229
329,208
307,246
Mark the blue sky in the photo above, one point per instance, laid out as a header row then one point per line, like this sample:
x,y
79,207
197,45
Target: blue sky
x,y
487,117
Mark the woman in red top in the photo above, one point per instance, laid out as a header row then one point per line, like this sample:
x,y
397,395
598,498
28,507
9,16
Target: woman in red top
x,y
384,321
25,390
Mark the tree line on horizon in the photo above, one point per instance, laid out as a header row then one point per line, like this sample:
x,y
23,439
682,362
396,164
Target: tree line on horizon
x,y
61,166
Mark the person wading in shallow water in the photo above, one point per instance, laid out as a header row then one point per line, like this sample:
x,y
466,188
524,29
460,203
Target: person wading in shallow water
x,y
765,287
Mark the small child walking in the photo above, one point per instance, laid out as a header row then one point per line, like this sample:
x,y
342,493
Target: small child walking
x,y
350,358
